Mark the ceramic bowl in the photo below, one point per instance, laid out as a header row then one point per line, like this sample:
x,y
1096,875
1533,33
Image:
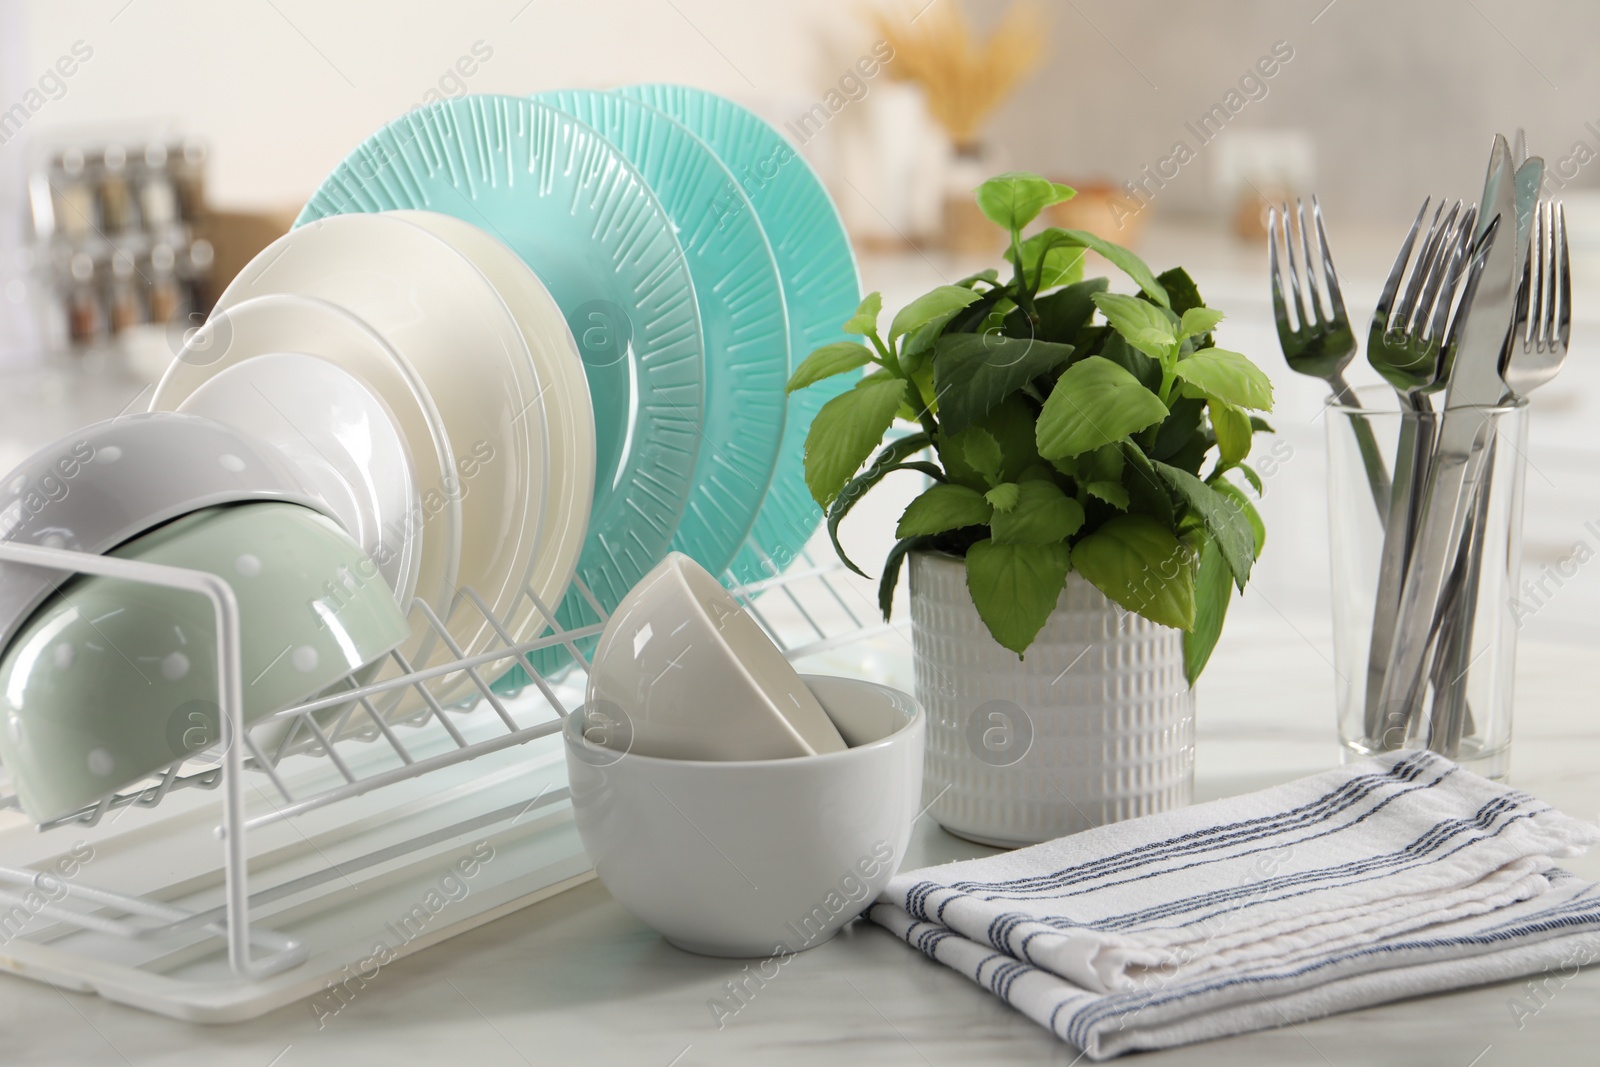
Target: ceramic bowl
x,y
111,680
697,678
112,481
753,858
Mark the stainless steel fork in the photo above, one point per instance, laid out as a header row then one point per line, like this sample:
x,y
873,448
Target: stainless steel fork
x,y
1407,347
1320,345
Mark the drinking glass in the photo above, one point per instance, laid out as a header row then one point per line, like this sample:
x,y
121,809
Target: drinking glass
x,y
1465,712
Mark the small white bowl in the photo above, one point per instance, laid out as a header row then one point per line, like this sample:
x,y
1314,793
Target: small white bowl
x,y
695,677
754,858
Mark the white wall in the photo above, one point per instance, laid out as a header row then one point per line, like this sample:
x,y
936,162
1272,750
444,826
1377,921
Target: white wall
x,y
282,89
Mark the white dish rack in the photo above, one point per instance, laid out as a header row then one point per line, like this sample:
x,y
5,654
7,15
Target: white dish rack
x,y
237,881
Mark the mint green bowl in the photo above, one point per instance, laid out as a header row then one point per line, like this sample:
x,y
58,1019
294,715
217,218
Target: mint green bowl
x,y
110,681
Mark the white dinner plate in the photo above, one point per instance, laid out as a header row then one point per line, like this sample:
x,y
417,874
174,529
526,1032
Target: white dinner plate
x,y
567,410
342,435
440,314
285,323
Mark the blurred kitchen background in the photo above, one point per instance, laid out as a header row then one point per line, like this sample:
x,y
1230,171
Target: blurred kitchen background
x,y
149,147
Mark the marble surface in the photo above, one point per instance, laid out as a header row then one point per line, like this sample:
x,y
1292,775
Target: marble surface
x,y
576,979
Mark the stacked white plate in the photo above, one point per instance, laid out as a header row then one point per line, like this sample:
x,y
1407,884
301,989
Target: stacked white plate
x,y
526,347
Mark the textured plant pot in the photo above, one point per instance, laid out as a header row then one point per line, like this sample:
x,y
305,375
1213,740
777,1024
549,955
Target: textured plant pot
x,y
1094,725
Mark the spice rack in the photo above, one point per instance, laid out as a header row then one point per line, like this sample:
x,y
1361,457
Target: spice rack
x,y
235,882
116,245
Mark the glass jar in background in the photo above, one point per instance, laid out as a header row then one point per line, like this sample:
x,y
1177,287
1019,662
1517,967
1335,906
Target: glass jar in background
x,y
123,304
158,202
84,318
116,200
188,176
198,275
1465,711
166,298
74,197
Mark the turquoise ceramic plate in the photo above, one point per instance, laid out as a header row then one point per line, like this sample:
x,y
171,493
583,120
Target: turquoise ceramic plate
x,y
820,288
742,316
582,217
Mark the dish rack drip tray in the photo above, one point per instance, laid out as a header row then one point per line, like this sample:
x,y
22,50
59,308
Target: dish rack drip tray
x,y
241,879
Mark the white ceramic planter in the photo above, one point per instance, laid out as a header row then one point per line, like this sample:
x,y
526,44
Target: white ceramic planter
x,y
1094,725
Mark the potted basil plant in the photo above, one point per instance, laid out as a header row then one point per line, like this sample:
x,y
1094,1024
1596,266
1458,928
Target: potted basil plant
x,y
1085,523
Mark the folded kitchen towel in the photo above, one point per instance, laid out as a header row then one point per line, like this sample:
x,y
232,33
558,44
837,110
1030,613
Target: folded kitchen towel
x,y
1375,881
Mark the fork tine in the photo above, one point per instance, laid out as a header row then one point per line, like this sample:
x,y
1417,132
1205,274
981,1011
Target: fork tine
x,y
1544,309
1313,291
1381,315
1563,279
1406,312
1335,297
1459,250
1280,309
1435,262
1294,275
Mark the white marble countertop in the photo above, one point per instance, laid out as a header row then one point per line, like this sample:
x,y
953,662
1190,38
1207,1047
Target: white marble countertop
x,y
576,979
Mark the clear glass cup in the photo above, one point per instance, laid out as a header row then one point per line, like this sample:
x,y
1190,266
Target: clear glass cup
x,y
1465,712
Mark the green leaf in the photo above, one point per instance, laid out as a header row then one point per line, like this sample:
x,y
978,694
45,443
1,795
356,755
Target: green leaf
x,y
865,320
1212,591
1181,290
1236,495
1138,563
1253,478
1094,403
1228,376
1014,199
1177,429
1147,493
888,459
1198,321
891,571
973,373
1042,514
844,433
1047,262
1147,370
1015,588
943,301
1232,428
988,274
1003,497
1066,311
1221,516
1260,425
1144,326
941,508
982,452
1119,257
1111,492
827,361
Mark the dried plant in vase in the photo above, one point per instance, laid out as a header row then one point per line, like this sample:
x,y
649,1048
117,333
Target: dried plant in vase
x,y
964,79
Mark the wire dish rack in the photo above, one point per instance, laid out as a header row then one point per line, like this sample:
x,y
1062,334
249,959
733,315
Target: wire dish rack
x,y
238,880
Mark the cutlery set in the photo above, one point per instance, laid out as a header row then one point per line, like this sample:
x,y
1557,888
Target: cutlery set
x,y
1470,321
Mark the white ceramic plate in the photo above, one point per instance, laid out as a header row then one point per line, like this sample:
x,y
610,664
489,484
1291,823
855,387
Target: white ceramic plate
x,y
342,435
445,318
567,409
286,323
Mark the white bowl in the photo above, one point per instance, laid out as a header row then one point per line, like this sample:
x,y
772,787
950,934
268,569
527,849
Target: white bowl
x,y
695,677
754,858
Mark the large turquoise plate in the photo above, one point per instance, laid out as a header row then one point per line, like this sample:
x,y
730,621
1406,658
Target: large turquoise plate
x,y
820,287
584,219
742,316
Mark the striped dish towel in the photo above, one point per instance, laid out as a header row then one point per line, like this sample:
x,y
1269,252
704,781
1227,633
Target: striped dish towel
x,y
1376,881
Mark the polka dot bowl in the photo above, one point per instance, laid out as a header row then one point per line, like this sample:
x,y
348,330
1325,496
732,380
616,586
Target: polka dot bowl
x,y
110,482
111,680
